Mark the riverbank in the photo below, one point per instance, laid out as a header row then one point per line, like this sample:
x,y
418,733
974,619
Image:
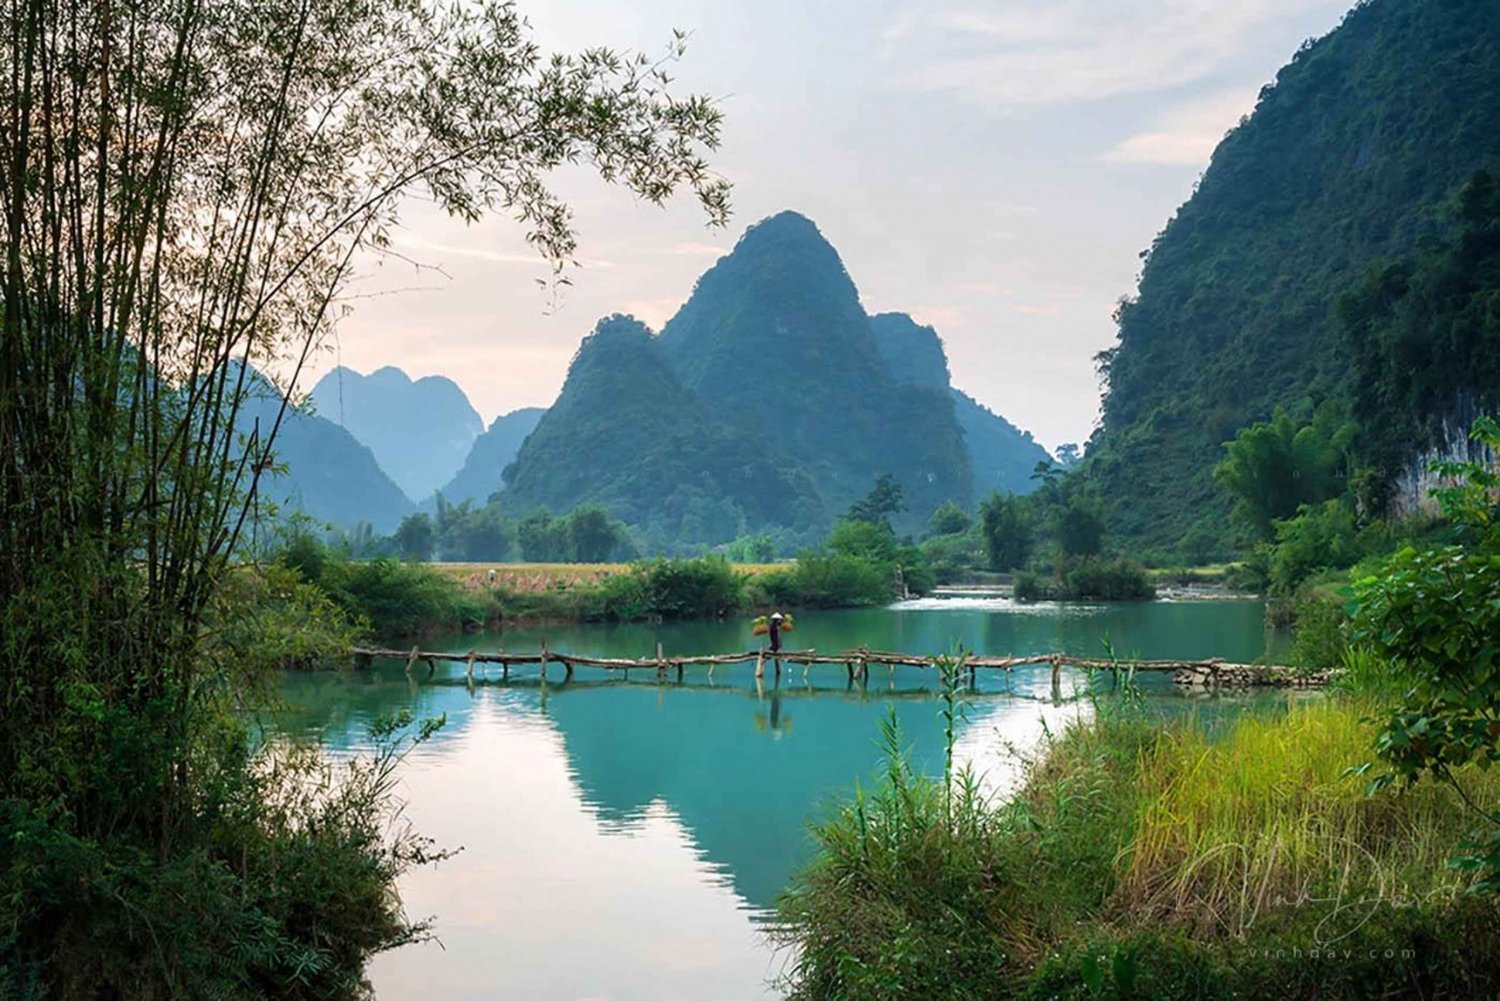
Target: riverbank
x,y
393,599
1143,860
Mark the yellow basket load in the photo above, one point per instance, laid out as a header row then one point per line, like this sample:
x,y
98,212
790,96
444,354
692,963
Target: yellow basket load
x,y
762,625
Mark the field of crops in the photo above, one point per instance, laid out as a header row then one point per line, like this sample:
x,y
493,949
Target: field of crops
x,y
535,577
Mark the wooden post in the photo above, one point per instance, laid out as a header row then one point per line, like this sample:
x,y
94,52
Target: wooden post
x,y
760,663
1056,678
849,666
567,670
431,667
679,670
469,670
661,665
864,669
544,659
412,659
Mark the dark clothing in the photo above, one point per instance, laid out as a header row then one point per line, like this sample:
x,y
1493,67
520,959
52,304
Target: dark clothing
x,y
775,635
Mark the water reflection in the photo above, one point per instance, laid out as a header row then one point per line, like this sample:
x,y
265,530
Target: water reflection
x,y
622,837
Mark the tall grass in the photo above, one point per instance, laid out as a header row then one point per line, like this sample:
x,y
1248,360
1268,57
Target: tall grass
x,y
1147,860
1269,816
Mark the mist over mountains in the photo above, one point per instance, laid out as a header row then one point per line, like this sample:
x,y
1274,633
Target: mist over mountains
x,y
420,430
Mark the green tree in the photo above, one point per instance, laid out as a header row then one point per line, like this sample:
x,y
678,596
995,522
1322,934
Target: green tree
x,y
1005,524
950,519
416,537
872,541
877,506
187,190
1078,527
592,536
1434,615
542,539
1274,467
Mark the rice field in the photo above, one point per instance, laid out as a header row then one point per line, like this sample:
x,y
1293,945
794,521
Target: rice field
x,y
531,578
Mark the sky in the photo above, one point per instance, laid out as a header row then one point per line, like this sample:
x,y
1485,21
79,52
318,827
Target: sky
x,y
993,169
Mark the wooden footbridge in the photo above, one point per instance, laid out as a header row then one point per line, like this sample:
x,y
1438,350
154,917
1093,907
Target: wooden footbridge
x,y
856,662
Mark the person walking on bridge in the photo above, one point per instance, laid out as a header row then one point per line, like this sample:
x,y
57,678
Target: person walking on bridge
x,y
774,624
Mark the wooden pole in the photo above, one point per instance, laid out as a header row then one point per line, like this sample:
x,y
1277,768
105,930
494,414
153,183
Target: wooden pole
x,y
415,652
661,665
469,670
544,659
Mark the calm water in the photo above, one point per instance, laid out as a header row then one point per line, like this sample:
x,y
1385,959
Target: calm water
x,y
621,839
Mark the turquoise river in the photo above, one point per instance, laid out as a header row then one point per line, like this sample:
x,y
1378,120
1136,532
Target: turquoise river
x,y
624,838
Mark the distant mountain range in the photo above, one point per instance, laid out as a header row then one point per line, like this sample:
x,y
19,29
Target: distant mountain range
x,y
329,475
421,431
490,454
771,401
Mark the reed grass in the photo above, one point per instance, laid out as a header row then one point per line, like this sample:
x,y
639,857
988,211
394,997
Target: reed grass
x,y
1268,816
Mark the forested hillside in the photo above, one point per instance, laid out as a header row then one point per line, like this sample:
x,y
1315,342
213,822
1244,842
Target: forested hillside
x,y
481,474
625,434
420,431
1001,456
775,336
1346,159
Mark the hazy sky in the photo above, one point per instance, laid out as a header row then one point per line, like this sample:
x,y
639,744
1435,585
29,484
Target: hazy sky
x,y
994,169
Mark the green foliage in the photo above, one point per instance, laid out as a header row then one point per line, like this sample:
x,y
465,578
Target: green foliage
x,y
268,617
416,538
185,208
880,504
827,580
1005,524
404,598
707,587
1078,527
866,540
950,519
465,533
901,899
1346,160
1322,537
1088,578
759,548
1141,860
1436,615
1277,467
1423,334
1319,642
284,887
584,535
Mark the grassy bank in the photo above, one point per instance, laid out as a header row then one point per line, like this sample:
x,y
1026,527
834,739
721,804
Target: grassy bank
x,y
1146,861
311,589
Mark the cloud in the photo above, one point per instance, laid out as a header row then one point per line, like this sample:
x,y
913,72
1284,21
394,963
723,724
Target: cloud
x,y
1042,52
985,288
691,249
409,241
1187,134
1051,309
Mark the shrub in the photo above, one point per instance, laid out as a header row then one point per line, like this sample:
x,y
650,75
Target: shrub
x,y
405,598
705,587
827,581
1318,538
1088,579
